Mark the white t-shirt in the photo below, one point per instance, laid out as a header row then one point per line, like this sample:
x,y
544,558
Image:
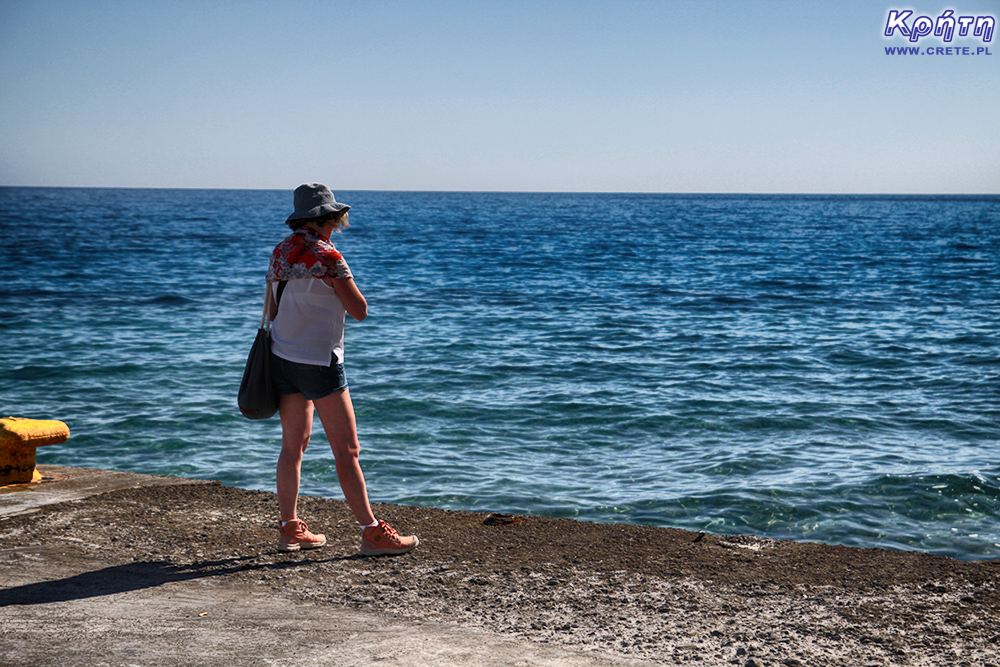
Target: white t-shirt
x,y
310,323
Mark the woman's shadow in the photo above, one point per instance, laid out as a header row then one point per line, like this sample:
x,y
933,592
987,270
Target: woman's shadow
x,y
137,576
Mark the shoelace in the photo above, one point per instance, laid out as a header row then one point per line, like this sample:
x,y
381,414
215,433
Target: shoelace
x,y
387,529
302,528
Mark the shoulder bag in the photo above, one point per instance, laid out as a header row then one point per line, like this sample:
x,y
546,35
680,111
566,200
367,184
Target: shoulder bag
x,y
257,397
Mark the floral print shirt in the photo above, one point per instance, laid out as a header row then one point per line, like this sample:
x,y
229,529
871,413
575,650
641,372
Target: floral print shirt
x,y
306,254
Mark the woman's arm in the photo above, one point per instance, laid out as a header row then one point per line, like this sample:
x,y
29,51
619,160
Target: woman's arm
x,y
352,298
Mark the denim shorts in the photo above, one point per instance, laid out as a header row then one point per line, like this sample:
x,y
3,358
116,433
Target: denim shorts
x,y
311,381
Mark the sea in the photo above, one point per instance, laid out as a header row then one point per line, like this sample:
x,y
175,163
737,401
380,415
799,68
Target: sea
x,y
815,368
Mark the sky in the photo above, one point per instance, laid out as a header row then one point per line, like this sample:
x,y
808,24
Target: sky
x,y
704,96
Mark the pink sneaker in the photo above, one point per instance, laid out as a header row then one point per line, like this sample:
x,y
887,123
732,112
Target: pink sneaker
x,y
295,535
383,540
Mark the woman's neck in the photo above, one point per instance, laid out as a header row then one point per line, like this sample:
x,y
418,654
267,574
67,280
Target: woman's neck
x,y
322,230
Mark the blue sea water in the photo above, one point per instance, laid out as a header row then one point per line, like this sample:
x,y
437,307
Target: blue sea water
x,y
822,368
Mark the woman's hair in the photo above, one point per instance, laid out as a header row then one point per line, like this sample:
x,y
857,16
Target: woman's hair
x,y
339,221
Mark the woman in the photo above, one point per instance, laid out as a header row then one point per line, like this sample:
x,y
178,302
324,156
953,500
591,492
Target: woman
x,y
307,365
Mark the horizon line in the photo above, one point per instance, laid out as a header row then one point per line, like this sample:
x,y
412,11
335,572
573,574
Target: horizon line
x,y
532,192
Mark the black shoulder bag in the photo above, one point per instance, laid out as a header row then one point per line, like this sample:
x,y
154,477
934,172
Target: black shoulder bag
x,y
257,397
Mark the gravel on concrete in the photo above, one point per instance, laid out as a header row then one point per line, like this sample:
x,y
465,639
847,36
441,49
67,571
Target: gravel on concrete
x,y
180,572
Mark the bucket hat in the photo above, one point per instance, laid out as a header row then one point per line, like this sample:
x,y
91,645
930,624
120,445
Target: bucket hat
x,y
312,200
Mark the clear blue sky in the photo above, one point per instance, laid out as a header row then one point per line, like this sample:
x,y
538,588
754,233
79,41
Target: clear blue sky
x,y
629,96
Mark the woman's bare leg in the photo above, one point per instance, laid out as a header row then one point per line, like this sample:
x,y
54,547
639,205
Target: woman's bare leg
x,y
296,427
336,411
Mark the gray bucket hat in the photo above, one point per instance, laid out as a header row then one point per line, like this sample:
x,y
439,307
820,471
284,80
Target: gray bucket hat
x,y
313,200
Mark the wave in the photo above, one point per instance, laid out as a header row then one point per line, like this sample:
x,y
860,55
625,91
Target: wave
x,y
169,300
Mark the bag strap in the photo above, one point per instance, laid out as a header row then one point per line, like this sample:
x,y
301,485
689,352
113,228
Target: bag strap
x,y
265,320
281,288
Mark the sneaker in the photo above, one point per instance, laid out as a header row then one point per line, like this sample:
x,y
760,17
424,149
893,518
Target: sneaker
x,y
295,535
383,540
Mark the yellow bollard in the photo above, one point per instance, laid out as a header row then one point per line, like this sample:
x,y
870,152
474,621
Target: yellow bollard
x,y
18,440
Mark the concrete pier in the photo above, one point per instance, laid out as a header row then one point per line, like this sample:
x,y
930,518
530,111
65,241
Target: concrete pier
x,y
111,568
